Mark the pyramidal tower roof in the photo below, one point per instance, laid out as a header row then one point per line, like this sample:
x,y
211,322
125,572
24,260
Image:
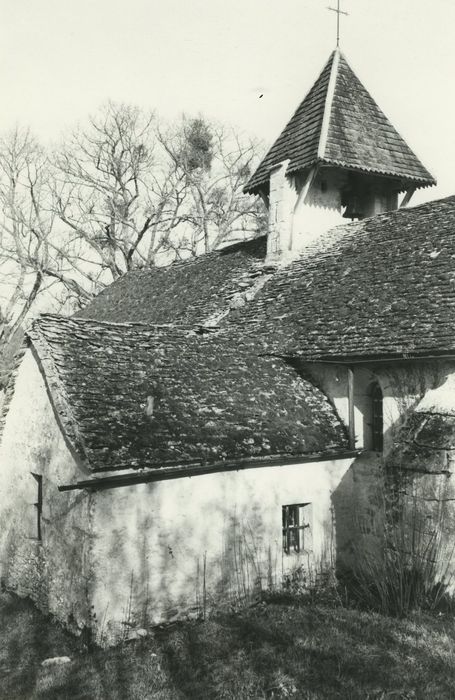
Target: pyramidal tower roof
x,y
339,124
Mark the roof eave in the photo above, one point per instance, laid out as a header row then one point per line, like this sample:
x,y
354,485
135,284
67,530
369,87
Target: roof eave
x,y
405,179
375,357
197,469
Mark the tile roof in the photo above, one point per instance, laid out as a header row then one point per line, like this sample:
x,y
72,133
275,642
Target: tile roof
x,y
338,123
137,396
381,286
195,291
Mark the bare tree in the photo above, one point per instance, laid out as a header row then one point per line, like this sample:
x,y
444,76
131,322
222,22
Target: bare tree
x,y
25,226
216,162
117,200
128,191
120,193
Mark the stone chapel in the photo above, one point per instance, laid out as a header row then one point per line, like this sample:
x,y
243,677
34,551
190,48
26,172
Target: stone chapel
x,y
200,431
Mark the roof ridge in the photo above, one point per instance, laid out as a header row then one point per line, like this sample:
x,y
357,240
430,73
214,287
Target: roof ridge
x,y
329,103
262,171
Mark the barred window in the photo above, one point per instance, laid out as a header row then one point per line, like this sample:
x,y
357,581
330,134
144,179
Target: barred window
x,y
296,527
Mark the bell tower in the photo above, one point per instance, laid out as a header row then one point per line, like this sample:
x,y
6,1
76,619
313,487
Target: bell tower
x,y
339,158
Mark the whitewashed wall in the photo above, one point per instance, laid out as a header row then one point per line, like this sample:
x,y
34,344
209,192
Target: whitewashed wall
x,y
138,554
403,385
295,222
56,571
320,211
151,540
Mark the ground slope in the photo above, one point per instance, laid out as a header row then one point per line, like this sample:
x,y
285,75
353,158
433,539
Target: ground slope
x,y
267,652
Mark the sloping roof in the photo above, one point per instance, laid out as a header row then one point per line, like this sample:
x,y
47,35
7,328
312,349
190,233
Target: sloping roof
x,y
299,141
136,396
338,123
381,286
195,291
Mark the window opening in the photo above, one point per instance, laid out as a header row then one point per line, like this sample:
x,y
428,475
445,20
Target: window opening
x,y
295,527
39,503
377,418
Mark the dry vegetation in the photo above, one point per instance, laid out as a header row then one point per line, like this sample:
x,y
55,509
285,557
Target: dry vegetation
x,y
269,651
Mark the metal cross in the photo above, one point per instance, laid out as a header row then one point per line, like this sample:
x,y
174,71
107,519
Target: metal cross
x,y
339,12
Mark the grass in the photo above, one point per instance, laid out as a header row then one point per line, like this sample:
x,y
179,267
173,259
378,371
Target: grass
x,y
267,652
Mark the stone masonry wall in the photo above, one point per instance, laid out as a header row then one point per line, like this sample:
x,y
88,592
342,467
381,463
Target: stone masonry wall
x,y
54,572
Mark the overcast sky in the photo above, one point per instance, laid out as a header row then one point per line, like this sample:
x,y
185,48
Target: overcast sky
x,y
60,59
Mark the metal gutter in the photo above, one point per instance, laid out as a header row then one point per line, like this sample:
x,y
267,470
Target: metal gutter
x,y
178,472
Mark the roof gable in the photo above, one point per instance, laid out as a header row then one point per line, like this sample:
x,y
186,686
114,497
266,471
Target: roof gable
x,y
339,124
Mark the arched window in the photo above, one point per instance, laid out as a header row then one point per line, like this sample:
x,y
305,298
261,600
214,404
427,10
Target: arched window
x,y
377,418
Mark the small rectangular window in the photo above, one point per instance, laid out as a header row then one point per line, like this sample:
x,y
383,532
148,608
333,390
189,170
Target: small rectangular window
x,y
38,505
296,527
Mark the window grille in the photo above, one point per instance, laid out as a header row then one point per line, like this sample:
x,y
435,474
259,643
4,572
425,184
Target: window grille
x,y
295,527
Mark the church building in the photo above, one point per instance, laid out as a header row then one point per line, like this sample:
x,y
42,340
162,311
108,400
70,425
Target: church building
x,y
205,431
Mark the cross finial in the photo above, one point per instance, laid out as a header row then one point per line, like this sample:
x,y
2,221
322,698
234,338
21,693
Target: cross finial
x,y
339,12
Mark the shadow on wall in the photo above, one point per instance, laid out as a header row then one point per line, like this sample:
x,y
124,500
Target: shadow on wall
x,y
358,511
395,531
176,567
52,570
228,575
359,499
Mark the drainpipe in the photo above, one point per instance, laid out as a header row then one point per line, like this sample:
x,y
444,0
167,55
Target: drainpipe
x,y
351,422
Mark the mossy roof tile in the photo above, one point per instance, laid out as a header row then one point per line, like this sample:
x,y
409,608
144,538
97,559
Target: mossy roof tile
x,y
141,396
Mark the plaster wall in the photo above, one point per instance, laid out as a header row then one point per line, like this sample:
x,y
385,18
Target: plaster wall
x,y
319,212
151,552
403,385
295,221
426,490
174,547
55,571
282,199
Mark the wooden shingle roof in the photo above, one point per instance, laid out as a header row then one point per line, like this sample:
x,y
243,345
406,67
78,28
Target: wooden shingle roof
x,y
140,396
339,124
